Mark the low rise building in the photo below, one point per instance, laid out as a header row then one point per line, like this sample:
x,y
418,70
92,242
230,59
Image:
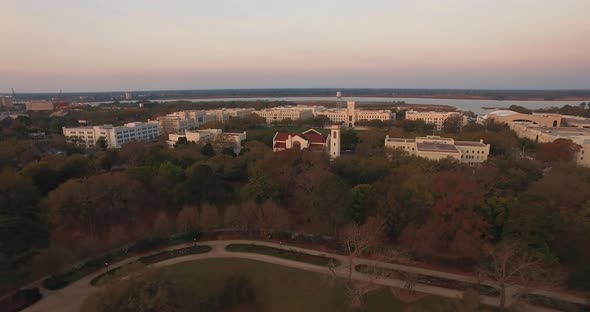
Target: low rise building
x,y
540,134
309,140
114,136
225,114
6,101
437,148
40,106
183,120
280,113
350,115
435,118
216,137
508,116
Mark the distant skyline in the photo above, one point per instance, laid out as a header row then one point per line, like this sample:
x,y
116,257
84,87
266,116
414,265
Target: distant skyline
x,y
107,45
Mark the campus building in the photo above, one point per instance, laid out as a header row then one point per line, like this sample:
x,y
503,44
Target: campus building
x,y
541,134
6,101
115,136
216,137
309,140
436,148
351,115
433,117
40,106
280,113
225,114
183,120
508,116
191,119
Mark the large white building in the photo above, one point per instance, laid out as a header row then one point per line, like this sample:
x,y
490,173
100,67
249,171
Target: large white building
x,y
543,134
115,136
214,136
225,114
350,115
280,113
436,148
183,120
192,119
433,117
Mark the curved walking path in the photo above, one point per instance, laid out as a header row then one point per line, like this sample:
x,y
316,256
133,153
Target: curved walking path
x,y
71,297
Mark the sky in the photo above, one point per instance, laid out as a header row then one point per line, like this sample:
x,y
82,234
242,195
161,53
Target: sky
x,y
113,45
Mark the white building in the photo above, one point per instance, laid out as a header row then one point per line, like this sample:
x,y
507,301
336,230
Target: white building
x,y
6,101
115,136
214,136
351,115
280,113
183,120
436,148
433,117
543,134
225,114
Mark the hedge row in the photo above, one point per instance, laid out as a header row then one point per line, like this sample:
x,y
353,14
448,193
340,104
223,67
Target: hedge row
x,y
438,281
283,253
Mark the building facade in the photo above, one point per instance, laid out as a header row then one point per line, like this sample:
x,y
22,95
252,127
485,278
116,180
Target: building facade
x,y
432,117
216,137
6,101
351,115
183,120
40,106
437,148
280,113
115,136
309,140
508,116
540,134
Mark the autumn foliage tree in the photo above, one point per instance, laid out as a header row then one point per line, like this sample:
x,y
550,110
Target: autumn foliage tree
x,y
453,228
560,150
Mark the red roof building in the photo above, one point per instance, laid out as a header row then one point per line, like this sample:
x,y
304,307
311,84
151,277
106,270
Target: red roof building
x,y
310,139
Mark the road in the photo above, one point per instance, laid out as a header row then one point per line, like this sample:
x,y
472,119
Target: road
x,y
71,297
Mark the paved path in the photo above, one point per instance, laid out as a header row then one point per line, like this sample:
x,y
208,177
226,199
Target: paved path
x,y
70,298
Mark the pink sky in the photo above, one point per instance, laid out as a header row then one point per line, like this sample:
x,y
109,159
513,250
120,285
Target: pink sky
x,y
119,45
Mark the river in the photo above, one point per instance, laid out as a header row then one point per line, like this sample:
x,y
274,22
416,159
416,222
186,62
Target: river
x,y
473,105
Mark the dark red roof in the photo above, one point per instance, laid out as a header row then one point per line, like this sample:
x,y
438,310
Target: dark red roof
x,y
310,135
284,136
314,138
280,145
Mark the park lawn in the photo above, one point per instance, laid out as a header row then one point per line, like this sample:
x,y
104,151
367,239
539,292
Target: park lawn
x,y
283,289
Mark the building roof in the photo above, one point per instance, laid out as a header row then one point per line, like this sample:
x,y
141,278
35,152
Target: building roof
x,y
434,147
469,143
401,140
311,135
503,112
280,145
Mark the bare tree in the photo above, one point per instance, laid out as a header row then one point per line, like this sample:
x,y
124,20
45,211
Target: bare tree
x,y
187,219
271,218
208,217
359,240
513,270
162,227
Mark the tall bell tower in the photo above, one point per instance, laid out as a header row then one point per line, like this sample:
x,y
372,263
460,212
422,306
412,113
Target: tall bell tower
x,y
335,142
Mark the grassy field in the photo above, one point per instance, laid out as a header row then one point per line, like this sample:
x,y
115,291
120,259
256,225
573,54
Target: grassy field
x,y
283,289
282,253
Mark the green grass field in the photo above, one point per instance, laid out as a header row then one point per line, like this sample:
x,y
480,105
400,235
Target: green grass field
x,y
284,289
